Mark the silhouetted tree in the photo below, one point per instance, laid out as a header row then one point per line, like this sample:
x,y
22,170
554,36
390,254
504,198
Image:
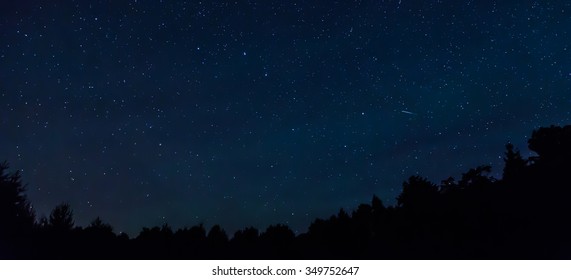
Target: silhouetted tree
x,y
197,233
552,143
514,163
217,241
363,224
155,241
417,194
279,233
377,205
548,184
190,243
61,218
43,223
363,213
99,241
100,226
246,243
123,236
15,211
476,177
217,235
248,235
16,214
277,241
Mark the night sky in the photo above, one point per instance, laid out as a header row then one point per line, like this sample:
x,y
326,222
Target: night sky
x,y
252,113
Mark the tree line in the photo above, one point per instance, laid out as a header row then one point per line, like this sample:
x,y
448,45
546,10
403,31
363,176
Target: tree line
x,y
523,215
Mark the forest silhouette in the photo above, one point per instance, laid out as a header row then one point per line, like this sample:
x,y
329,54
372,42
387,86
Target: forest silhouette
x,y
523,215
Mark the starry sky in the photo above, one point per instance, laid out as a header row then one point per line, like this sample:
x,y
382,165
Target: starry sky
x,y
250,113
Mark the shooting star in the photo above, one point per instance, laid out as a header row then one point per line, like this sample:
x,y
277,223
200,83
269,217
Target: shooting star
x,y
407,112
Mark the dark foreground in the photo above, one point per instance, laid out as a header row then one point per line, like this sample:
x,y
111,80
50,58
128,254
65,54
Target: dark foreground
x,y
524,215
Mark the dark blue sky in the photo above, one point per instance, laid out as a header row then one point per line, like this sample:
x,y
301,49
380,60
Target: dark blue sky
x,y
262,112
